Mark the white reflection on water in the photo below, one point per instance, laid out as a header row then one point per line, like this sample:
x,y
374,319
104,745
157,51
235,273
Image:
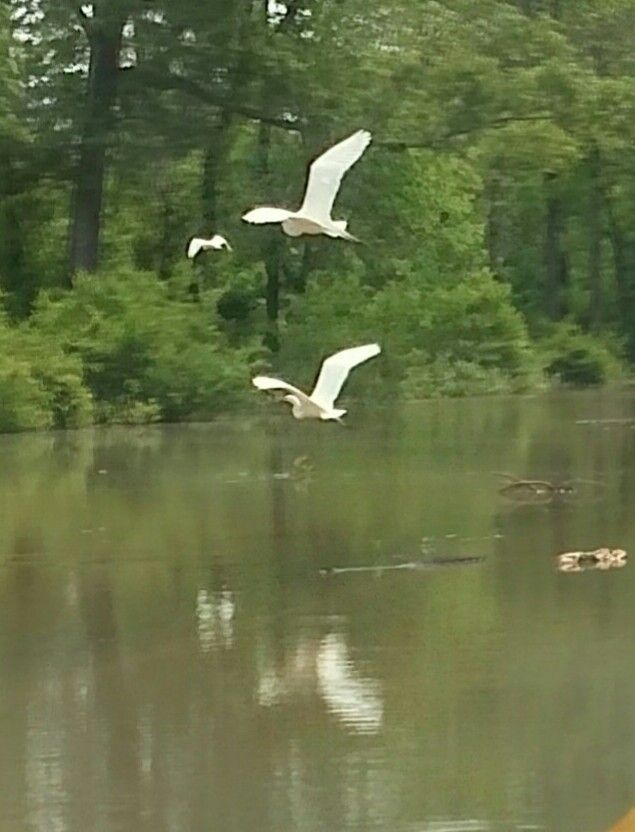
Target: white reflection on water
x,y
43,760
215,618
296,676
352,698
326,667
145,743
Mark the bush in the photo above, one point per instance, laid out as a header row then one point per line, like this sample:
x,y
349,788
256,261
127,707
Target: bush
x,y
444,377
129,411
578,359
69,401
23,401
141,344
454,340
475,322
40,386
59,375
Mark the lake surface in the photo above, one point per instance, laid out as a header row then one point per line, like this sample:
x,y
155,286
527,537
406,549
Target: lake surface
x,y
172,659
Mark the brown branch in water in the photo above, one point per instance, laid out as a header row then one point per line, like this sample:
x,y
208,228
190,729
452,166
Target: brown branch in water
x,y
531,484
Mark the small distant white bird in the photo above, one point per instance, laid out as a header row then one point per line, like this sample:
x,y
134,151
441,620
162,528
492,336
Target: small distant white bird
x,y
325,176
197,244
333,374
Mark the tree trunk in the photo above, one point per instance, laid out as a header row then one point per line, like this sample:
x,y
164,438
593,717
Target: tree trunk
x,y
11,246
624,265
308,264
556,266
493,231
271,252
166,254
272,291
214,156
595,241
105,44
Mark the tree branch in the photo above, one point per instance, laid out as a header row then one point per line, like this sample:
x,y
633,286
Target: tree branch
x,y
431,144
196,90
201,93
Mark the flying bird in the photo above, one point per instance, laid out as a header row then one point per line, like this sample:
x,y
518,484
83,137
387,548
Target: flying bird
x,y
320,404
325,177
198,244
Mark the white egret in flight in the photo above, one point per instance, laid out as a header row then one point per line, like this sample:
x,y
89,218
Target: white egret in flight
x,y
325,176
320,404
197,244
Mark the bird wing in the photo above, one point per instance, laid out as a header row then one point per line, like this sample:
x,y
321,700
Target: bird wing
x,y
194,246
326,172
335,370
218,241
266,383
267,214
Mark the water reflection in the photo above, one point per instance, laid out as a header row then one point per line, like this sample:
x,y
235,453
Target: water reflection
x,y
324,667
45,791
185,666
291,675
215,618
352,698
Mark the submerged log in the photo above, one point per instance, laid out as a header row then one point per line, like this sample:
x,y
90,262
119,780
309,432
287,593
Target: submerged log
x,y
529,490
409,565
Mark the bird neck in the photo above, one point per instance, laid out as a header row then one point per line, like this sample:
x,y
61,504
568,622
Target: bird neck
x,y
296,406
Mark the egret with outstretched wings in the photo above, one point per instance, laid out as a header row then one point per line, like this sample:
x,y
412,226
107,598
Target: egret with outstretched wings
x,y
325,176
198,244
320,404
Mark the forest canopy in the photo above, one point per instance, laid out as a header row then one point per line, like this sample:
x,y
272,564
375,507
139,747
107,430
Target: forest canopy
x,y
496,203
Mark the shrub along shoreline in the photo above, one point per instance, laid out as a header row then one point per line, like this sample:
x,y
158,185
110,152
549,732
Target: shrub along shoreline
x,y
125,347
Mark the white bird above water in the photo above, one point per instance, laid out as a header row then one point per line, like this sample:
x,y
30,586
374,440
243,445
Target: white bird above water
x,y
197,244
320,404
325,177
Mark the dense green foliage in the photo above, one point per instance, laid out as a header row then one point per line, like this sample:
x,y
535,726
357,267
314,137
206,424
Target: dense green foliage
x,y
496,203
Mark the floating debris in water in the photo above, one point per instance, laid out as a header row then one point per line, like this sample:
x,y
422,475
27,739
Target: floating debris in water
x,y
627,421
598,559
544,491
409,565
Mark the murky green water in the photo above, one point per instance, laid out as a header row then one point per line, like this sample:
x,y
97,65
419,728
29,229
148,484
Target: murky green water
x,y
173,660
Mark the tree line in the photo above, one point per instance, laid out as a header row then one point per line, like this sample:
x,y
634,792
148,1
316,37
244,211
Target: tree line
x,y
496,203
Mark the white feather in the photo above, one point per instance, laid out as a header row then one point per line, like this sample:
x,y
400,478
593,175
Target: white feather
x,y
325,177
198,244
326,174
267,383
333,373
335,370
265,214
